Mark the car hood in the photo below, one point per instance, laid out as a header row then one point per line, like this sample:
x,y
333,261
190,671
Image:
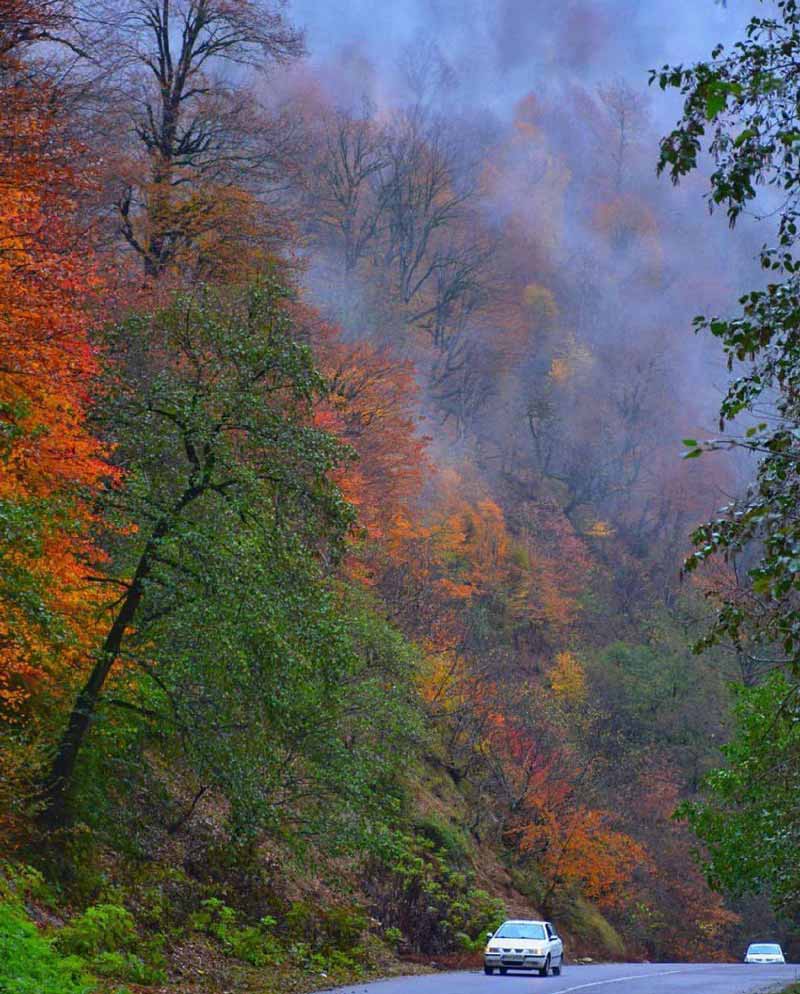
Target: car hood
x,y
518,943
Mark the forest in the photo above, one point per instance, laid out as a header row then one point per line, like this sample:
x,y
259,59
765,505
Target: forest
x,y
386,547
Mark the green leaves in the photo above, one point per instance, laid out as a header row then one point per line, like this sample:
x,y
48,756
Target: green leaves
x,y
694,448
716,92
209,406
292,701
754,145
744,136
436,907
28,962
749,822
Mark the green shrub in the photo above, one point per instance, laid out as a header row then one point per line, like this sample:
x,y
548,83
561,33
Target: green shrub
x,y
105,935
468,944
161,897
19,881
393,937
584,919
331,961
437,907
323,929
28,962
130,967
341,927
253,944
445,838
336,961
103,928
214,918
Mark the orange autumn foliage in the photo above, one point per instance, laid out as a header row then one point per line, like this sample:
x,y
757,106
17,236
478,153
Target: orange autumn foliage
x,y
471,545
568,679
373,396
371,406
560,568
441,558
576,846
47,453
457,554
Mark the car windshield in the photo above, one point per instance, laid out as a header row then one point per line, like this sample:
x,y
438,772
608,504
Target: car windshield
x,y
520,930
765,949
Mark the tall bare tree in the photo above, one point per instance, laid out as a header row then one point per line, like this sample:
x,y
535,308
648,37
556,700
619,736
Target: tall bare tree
x,y
186,124
347,198
396,199
626,119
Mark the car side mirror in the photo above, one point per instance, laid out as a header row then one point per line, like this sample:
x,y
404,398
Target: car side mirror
x,y
490,935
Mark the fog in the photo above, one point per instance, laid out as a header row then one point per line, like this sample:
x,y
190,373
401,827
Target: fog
x,y
545,109
501,49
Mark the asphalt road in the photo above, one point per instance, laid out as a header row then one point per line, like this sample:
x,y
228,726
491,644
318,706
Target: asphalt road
x,y
625,978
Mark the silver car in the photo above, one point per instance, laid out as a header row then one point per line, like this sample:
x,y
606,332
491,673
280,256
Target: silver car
x,y
764,952
524,945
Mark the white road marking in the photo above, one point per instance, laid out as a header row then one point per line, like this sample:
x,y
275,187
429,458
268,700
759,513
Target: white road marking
x,y
617,980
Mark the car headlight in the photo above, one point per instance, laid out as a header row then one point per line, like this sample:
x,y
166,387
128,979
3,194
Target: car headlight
x,y
491,949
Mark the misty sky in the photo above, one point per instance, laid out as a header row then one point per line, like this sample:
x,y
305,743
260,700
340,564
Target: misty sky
x,y
502,49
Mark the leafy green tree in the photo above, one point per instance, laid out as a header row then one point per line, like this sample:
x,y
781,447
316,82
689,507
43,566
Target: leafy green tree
x,y
208,405
656,696
741,105
750,819
279,692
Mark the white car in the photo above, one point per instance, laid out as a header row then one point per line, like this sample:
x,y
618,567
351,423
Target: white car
x,y
524,945
764,952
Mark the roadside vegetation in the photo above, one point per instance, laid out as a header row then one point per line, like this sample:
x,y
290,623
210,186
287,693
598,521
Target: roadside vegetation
x,y
740,106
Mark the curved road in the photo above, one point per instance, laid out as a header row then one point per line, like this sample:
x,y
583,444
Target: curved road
x,y
624,978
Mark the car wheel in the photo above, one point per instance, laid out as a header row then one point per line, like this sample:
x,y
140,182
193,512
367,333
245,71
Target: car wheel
x,y
557,970
546,968
503,971
488,970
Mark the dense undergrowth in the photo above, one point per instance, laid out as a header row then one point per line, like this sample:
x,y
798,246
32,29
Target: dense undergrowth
x,y
129,905
29,963
226,920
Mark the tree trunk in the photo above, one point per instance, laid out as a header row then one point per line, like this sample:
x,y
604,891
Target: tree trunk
x,y
54,814
56,786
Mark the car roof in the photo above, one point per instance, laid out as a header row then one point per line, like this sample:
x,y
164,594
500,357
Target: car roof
x,y
524,921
